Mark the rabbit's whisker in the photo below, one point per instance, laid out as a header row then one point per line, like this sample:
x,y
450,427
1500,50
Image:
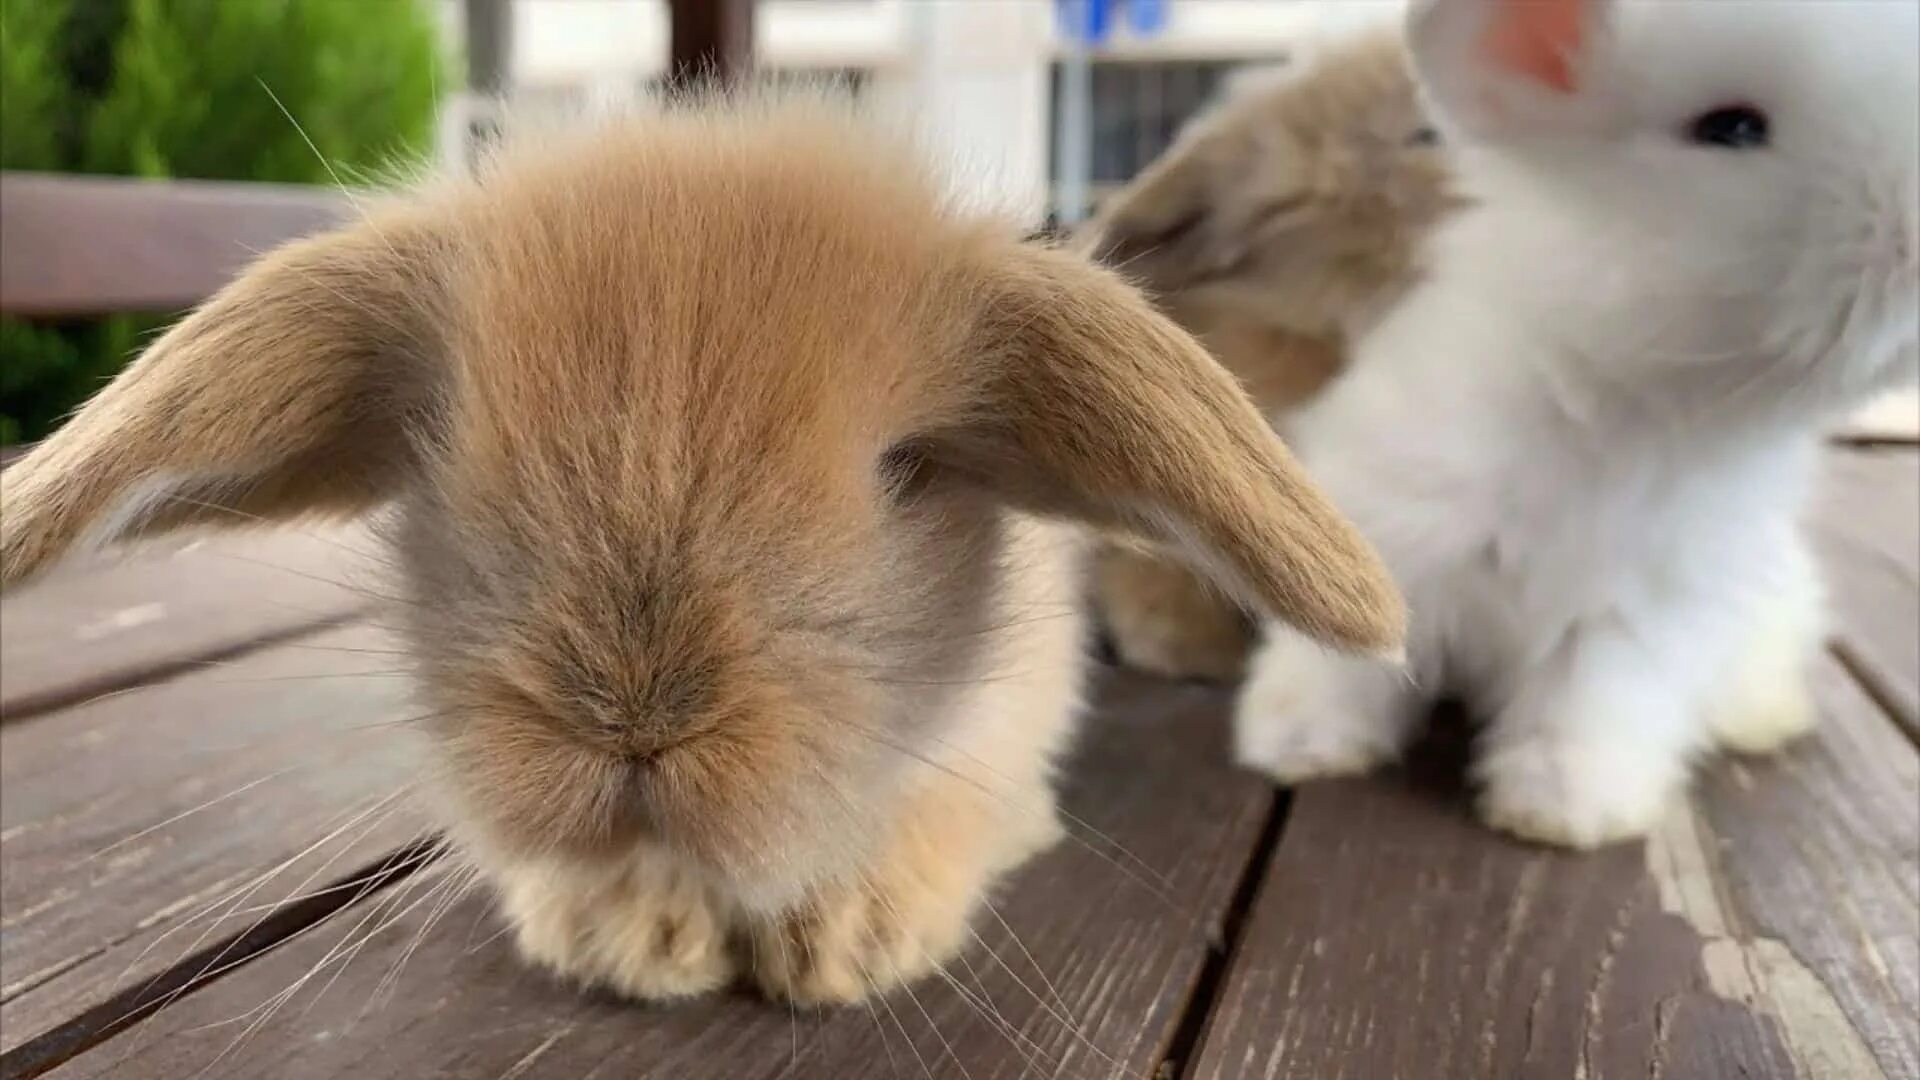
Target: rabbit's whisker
x,y
364,887
886,1002
264,1013
1162,890
328,166
221,909
184,814
459,882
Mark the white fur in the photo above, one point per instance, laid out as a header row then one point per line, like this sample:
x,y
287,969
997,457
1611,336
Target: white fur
x,y
1583,443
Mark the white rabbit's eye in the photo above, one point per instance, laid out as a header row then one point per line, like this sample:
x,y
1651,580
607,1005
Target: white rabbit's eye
x,y
1425,136
1735,127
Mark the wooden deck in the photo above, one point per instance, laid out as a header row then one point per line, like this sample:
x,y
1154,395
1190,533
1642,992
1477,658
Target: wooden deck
x,y
209,870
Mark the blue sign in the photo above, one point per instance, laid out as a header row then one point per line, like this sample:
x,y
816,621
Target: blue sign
x,y
1090,21
1147,17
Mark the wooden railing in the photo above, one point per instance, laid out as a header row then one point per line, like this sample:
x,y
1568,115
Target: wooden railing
x,y
82,245
89,245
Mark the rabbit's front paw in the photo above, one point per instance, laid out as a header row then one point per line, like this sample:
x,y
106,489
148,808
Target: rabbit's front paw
x,y
860,939
1305,713
1763,716
907,913
650,930
1765,701
1559,788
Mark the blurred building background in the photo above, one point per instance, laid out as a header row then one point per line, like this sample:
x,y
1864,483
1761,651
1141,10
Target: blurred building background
x,y
987,78
1034,116
1036,107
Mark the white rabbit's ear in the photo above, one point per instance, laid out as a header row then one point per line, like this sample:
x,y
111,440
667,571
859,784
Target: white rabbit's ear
x,y
1494,68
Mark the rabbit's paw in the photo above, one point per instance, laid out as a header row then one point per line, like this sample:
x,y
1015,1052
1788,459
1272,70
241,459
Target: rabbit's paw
x,y
859,939
649,930
1164,620
1765,702
1559,788
1305,713
906,914
1761,717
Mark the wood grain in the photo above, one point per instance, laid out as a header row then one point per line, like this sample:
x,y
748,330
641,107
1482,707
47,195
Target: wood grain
x,y
1121,960
1802,872
124,819
1866,524
103,623
1396,936
1767,930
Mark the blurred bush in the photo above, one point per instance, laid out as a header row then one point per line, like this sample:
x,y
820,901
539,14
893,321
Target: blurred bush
x,y
180,88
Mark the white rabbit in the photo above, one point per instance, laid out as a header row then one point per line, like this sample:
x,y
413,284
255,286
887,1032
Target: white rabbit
x,y
1582,443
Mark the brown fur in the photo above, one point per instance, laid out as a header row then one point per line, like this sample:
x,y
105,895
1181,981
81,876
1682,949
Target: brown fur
x,y
1280,222
711,441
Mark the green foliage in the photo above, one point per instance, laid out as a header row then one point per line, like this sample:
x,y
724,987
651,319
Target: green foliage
x,y
34,87
207,89
49,368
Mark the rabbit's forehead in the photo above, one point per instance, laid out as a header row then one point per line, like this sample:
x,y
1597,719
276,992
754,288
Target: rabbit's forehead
x,y
674,326
1840,71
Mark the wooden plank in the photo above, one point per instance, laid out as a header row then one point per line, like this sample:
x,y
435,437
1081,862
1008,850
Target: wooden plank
x,y
1113,961
1802,872
1768,929
98,625
80,245
1866,524
124,820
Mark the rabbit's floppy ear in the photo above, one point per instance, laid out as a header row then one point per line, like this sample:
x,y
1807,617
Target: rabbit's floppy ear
x,y
1189,216
282,395
1099,409
1162,229
1511,67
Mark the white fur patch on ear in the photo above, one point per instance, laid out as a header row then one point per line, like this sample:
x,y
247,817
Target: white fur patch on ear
x,y
144,500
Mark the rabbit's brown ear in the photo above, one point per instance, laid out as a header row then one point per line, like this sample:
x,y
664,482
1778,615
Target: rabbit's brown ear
x,y
1163,229
283,395
1101,410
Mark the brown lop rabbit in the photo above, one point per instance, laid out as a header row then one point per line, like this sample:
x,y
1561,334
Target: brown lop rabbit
x,y
728,471
1281,220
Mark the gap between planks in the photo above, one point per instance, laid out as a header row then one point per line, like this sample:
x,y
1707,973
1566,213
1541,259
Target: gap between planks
x,y
209,964
160,671
1877,691
1197,1011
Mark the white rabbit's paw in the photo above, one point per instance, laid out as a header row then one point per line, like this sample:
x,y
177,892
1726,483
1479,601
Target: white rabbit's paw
x,y
1763,712
1282,733
1577,792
